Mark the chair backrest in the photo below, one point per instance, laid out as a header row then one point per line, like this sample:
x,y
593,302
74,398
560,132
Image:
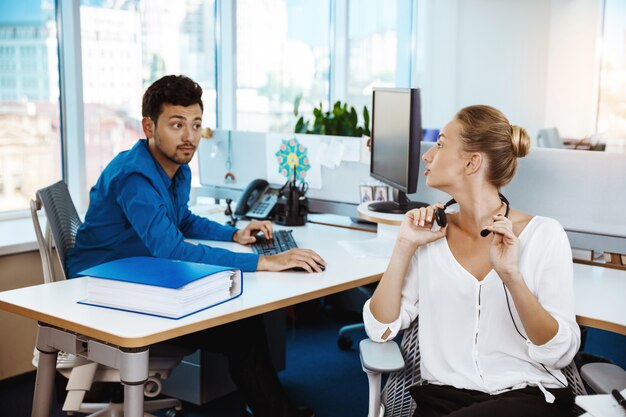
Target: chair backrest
x,y
62,223
575,382
397,398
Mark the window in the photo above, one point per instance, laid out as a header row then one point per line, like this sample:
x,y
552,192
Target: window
x,y
379,52
612,103
30,145
126,46
282,55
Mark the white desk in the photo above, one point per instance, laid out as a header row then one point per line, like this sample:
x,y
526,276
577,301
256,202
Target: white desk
x,y
120,339
599,296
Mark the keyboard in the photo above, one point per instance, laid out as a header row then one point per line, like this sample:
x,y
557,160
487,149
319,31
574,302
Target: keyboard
x,y
282,241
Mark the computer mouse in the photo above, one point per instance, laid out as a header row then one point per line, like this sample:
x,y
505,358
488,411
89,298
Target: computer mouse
x,y
260,237
299,269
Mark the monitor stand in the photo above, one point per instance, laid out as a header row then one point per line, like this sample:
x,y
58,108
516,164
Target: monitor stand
x,y
401,206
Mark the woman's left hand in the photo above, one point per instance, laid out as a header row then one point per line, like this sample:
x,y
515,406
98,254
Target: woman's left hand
x,y
504,251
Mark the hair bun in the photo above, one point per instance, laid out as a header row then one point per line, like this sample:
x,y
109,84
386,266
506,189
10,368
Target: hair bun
x,y
520,140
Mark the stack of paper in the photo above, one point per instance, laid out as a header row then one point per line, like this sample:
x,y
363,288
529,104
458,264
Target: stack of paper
x,y
602,405
160,287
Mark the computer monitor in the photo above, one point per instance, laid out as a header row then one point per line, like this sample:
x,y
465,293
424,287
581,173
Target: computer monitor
x,y
396,137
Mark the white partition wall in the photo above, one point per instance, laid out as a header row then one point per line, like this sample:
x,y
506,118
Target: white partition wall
x,y
585,191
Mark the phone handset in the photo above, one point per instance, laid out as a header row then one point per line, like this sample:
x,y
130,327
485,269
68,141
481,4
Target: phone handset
x,y
257,201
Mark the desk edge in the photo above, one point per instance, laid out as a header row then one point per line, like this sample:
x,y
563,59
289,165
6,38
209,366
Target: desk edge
x,y
135,342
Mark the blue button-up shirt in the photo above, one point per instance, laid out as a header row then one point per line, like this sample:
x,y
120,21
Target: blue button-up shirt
x,y
135,209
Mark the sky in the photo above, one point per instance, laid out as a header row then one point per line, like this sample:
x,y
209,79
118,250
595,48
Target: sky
x,y
25,11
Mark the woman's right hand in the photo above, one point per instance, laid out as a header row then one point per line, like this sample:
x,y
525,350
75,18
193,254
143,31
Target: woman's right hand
x,y
416,228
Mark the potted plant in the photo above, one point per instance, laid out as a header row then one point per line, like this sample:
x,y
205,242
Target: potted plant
x,y
339,121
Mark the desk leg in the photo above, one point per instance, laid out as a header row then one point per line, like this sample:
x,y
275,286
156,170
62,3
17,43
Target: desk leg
x,y
44,383
134,373
133,400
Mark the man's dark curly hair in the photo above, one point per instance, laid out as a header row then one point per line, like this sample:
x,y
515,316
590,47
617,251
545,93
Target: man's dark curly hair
x,y
177,90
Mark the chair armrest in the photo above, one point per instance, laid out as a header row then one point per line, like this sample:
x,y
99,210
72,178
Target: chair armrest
x,y
377,358
603,377
380,357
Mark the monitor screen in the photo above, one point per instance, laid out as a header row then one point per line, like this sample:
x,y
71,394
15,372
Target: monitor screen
x,y
396,136
391,133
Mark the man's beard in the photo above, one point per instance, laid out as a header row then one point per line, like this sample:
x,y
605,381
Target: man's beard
x,y
180,160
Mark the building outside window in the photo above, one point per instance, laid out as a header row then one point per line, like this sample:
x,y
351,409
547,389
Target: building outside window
x,y
126,46
282,56
379,48
611,125
30,145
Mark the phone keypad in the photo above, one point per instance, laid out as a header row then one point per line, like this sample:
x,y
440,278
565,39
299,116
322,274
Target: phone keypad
x,y
263,207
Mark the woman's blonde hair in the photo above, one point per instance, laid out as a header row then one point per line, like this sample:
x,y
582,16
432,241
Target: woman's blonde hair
x,y
486,130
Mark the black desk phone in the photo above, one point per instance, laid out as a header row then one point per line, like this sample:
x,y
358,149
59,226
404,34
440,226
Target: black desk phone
x,y
257,201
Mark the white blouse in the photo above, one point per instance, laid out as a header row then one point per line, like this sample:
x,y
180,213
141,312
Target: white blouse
x,y
466,335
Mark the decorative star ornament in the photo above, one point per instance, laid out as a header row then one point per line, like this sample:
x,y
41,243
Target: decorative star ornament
x,y
292,155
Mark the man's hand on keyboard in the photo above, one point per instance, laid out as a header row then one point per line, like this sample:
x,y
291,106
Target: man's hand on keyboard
x,y
293,258
248,234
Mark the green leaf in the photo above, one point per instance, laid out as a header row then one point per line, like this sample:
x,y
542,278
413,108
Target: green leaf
x,y
299,125
296,104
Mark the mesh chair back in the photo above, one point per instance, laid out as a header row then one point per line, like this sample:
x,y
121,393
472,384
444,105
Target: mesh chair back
x,y
396,396
575,382
62,217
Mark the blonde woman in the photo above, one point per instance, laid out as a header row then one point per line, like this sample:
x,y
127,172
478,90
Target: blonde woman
x,y
496,309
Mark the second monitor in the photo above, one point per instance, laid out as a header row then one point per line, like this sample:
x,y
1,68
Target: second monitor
x,y
396,137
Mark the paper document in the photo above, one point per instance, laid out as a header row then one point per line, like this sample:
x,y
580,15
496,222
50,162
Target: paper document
x,y
603,405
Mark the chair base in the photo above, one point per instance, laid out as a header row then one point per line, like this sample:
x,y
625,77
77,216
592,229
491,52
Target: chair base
x,y
344,341
117,409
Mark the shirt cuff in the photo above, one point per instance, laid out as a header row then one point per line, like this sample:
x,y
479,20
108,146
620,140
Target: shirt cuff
x,y
247,262
557,352
225,233
377,331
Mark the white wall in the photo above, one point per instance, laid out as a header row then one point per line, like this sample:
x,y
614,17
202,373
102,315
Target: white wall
x,y
535,60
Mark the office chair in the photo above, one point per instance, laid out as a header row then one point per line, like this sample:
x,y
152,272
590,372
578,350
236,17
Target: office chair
x,y
62,224
404,365
549,138
344,340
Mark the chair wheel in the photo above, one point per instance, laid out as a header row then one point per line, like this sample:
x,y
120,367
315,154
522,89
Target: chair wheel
x,y
344,342
174,413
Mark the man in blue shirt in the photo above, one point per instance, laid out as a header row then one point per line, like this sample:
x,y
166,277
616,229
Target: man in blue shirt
x,y
139,207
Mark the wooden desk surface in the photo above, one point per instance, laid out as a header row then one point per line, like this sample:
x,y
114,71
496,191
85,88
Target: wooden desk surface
x,y
56,303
